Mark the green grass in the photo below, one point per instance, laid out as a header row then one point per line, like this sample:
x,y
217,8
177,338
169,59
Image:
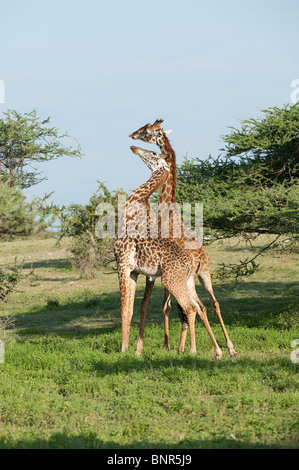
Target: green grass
x,y
65,384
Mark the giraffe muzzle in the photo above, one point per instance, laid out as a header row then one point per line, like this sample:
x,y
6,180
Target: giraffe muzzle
x,y
134,149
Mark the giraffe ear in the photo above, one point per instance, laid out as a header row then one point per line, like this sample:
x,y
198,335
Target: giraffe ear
x,y
168,132
157,123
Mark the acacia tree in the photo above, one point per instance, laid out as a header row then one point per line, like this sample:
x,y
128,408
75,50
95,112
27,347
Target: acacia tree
x,y
79,222
253,188
269,143
26,140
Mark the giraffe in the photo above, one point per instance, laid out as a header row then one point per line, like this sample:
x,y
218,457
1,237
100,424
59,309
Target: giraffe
x,y
145,155
153,257
201,263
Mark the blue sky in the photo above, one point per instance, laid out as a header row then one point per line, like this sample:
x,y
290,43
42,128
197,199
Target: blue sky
x,y
103,69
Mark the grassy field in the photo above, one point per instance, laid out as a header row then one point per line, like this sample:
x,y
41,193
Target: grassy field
x,y
65,384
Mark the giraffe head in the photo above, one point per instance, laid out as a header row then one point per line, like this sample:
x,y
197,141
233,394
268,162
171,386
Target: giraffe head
x,y
153,160
150,132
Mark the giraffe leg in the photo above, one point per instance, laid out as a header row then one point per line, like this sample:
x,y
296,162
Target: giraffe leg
x,y
177,287
127,283
188,315
188,310
144,309
205,280
133,283
182,342
191,321
206,323
203,315
184,322
166,312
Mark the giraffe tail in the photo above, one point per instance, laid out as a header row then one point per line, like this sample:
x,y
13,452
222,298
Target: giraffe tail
x,y
182,316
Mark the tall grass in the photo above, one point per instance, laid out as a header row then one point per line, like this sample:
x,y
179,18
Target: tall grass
x,y
65,384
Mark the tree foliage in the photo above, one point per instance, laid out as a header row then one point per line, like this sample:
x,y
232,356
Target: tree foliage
x,y
19,217
251,189
79,223
9,278
26,140
270,143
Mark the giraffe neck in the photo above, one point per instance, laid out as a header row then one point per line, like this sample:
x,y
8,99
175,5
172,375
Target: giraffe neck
x,y
168,188
144,191
138,210
169,220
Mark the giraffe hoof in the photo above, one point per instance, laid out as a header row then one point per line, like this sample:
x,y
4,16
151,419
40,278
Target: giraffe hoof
x,y
232,352
218,355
